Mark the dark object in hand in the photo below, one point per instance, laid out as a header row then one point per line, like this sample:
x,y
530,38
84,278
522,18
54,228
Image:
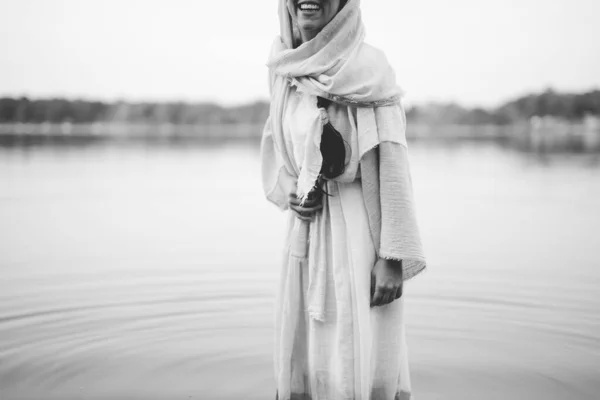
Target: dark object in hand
x,y
333,147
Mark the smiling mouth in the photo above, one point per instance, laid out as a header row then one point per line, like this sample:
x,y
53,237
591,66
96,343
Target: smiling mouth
x,y
309,6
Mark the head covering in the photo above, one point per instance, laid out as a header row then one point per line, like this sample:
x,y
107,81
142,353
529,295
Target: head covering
x,y
331,65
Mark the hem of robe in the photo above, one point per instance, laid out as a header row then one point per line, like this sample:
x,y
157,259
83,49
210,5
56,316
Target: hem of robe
x,y
401,395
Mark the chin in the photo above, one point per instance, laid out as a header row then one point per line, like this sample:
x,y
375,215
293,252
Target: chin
x,y
310,26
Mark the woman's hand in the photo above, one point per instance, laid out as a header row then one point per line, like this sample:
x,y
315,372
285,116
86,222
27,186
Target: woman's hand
x,y
307,211
386,282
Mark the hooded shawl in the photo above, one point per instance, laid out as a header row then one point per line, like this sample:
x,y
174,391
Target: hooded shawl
x,y
337,65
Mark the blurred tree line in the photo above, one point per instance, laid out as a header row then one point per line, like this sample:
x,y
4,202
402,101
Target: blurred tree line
x,y
80,111
569,106
13,110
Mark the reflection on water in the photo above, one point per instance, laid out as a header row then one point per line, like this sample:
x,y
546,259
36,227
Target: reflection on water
x,y
149,273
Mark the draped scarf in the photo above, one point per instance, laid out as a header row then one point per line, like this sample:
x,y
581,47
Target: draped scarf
x,y
332,66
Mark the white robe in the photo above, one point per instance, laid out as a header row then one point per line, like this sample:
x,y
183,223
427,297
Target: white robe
x,y
356,352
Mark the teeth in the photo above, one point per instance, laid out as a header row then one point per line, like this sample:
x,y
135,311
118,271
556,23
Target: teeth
x,y
309,7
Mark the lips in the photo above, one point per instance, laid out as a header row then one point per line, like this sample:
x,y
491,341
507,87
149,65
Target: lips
x,y
309,6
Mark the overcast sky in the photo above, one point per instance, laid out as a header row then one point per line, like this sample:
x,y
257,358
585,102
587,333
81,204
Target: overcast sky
x,y
470,51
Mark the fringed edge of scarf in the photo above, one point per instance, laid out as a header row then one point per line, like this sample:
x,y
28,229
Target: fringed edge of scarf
x,y
345,100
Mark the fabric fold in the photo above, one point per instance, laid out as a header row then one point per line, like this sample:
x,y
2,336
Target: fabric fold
x,y
317,264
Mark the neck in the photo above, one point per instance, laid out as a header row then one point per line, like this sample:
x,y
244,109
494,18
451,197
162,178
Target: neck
x,y
306,35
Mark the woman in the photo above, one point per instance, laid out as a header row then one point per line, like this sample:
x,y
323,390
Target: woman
x,y
334,155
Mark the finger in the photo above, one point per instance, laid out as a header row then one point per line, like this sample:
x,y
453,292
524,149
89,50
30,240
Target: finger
x,y
372,287
293,199
399,291
312,209
307,203
306,210
302,216
392,295
310,198
299,211
377,297
388,295
382,295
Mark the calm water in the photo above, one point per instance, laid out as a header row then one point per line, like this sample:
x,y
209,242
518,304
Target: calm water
x,y
149,273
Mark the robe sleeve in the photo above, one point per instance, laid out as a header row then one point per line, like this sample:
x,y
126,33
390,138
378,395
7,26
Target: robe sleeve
x,y
276,181
387,187
400,236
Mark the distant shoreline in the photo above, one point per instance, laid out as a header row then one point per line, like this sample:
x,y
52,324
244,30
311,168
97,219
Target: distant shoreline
x,y
572,107
119,130
542,134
